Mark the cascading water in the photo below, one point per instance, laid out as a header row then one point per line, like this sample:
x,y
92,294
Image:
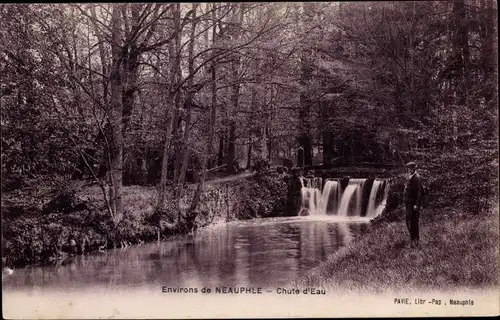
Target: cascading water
x,y
382,204
329,200
311,195
354,187
371,210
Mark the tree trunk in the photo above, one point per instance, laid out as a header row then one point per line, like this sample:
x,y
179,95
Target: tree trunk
x,y
102,55
269,122
306,145
304,138
231,150
235,94
220,155
177,98
104,136
171,118
130,66
327,147
116,116
249,156
188,104
213,114
253,109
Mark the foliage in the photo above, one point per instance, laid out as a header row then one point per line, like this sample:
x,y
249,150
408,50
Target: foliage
x,y
37,133
264,196
260,165
291,68
470,180
47,236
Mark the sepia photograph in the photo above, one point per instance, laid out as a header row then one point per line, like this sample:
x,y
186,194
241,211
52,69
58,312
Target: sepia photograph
x,y
249,159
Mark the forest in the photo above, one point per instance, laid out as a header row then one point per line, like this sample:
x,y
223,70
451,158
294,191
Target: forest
x,y
145,104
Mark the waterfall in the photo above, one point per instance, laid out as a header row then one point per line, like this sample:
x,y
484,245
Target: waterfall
x,y
354,187
316,199
329,198
382,204
371,211
311,195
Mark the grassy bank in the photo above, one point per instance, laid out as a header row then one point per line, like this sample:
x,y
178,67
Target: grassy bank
x,y
456,250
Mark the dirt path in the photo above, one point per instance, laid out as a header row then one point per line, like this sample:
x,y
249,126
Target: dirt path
x,y
226,179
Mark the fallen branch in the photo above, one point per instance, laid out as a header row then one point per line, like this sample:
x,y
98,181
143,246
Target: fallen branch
x,y
216,168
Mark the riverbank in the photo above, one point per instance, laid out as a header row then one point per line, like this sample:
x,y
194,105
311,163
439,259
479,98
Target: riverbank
x,y
47,224
457,250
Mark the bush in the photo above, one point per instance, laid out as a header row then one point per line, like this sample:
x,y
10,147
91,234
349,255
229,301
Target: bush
x,y
260,165
466,180
263,196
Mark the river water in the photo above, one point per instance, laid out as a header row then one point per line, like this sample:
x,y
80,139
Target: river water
x,y
263,253
259,253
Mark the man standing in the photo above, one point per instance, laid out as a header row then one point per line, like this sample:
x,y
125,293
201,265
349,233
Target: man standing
x,y
412,196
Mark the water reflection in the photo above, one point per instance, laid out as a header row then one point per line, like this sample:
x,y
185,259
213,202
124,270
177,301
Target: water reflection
x,y
256,253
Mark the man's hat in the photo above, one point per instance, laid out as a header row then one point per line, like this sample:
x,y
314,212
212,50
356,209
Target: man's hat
x,y
411,165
